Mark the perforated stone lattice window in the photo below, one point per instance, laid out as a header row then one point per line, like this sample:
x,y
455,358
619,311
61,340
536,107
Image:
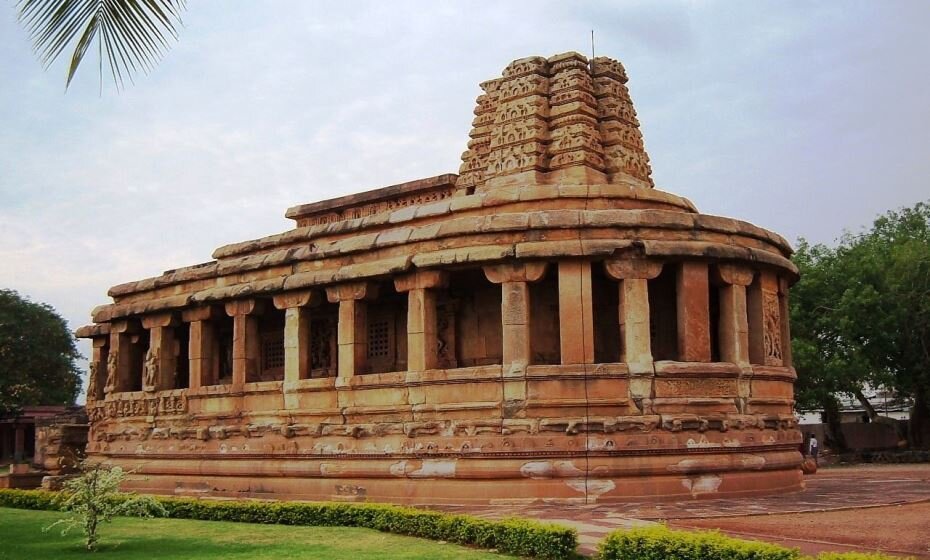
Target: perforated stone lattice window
x,y
273,351
379,339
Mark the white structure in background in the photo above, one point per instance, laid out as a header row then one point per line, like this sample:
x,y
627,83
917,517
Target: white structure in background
x,y
885,401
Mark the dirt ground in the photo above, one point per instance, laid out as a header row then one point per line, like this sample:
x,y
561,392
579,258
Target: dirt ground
x,y
843,508
899,529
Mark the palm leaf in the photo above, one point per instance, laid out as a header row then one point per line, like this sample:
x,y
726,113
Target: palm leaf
x,y
131,35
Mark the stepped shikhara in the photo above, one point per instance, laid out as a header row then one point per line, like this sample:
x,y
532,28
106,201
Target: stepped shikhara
x,y
544,326
561,119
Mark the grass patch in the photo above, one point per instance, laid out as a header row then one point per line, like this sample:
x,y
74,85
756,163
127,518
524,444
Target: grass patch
x,y
22,537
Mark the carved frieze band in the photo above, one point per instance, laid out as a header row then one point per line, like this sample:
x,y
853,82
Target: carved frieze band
x,y
138,406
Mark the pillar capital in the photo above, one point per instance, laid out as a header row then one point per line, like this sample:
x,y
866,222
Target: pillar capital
x,y
735,274
204,313
160,320
352,291
421,280
124,326
244,307
297,298
625,269
783,285
515,272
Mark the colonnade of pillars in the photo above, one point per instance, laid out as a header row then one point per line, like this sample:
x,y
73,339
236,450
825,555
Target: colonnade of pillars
x,y
752,307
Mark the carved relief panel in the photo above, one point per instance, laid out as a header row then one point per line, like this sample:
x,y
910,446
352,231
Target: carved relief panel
x,y
771,323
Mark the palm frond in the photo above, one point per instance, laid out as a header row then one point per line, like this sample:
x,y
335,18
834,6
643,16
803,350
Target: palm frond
x,y
131,35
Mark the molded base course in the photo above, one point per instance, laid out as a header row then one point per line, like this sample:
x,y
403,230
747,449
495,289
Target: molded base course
x,y
552,481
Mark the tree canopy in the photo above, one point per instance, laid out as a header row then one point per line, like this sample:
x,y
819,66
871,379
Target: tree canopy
x,y
861,315
37,355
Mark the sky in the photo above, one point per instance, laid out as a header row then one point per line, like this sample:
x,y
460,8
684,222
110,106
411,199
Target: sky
x,y
806,118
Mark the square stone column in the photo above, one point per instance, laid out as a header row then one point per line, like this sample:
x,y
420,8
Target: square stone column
x,y
96,378
693,306
734,322
515,309
161,361
19,443
201,350
352,337
119,358
576,313
784,315
296,306
765,324
422,322
246,344
636,342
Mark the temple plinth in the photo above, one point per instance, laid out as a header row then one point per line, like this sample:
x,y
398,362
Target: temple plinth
x,y
545,325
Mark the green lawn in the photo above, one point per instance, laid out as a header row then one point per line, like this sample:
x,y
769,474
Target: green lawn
x,y
21,537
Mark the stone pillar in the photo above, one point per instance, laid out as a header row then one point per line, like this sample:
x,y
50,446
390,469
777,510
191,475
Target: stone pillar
x,y
734,322
765,324
515,309
636,343
422,323
4,438
785,314
19,443
246,344
352,334
161,362
98,368
201,345
576,312
693,306
296,306
119,358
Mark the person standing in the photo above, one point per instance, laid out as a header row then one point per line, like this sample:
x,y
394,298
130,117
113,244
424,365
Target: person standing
x,y
813,448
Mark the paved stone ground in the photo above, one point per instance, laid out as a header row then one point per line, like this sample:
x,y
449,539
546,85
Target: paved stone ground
x,y
833,489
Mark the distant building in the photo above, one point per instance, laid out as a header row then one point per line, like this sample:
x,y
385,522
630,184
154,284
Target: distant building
x,y
885,401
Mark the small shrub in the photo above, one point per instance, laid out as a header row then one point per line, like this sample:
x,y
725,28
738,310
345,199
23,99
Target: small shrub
x,y
93,498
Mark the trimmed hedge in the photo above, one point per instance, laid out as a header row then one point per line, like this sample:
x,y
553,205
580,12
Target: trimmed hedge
x,y
658,542
520,537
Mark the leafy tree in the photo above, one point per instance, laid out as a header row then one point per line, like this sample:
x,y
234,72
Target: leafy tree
x,y
37,355
861,315
93,498
130,35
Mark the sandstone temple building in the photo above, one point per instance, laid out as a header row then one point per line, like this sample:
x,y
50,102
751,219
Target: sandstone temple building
x,y
544,325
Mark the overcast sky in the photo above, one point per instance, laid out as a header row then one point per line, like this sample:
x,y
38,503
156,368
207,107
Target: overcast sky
x,y
802,117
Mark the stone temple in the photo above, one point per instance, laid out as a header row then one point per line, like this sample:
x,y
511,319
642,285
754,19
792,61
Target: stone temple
x,y
546,325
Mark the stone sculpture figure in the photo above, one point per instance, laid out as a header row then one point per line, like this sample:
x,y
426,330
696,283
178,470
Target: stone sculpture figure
x,y
92,381
112,362
150,370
